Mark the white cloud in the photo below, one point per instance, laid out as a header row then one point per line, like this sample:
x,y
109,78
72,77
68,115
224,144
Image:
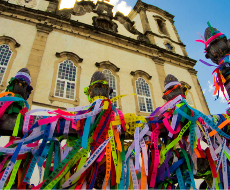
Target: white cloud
x,y
124,8
211,89
204,91
119,5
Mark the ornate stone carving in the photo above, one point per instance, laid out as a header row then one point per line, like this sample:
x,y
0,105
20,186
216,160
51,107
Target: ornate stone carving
x,y
105,22
104,8
83,7
105,17
65,13
129,25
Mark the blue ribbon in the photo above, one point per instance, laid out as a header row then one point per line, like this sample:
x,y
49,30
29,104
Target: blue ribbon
x,y
62,126
37,154
121,185
85,135
207,120
44,155
185,115
14,99
180,178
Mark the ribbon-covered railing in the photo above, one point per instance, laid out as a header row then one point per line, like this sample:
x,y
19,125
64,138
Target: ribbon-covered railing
x,y
110,149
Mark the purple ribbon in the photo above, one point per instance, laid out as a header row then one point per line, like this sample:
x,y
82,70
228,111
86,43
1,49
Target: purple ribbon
x,y
207,63
156,110
161,169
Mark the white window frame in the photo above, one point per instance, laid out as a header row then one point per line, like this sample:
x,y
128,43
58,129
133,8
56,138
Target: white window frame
x,y
145,97
3,66
66,81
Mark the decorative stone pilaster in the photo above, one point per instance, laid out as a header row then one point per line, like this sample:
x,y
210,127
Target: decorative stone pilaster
x,y
199,91
151,37
36,54
144,20
160,70
178,37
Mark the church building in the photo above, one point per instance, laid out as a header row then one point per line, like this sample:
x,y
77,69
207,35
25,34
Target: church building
x,y
63,48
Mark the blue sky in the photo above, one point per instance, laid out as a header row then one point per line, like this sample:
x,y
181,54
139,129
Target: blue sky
x,y
191,16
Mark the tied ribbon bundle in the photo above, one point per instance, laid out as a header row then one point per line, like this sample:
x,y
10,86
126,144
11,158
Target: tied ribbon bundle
x,y
101,155
214,35
218,79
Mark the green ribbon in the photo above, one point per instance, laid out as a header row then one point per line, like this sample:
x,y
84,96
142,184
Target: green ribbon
x,y
71,154
86,89
175,141
17,124
48,161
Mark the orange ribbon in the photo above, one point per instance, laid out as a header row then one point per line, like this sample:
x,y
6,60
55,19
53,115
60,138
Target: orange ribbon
x,y
222,125
6,93
143,175
169,91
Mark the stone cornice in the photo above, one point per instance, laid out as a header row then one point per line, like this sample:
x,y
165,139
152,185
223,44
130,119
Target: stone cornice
x,y
165,37
158,60
34,17
44,28
192,71
144,6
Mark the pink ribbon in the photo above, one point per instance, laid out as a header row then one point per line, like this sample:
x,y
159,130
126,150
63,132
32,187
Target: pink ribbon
x,y
121,115
156,155
3,108
209,40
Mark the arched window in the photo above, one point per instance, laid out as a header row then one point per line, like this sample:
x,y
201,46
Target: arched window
x,y
144,95
5,55
66,80
112,83
161,24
